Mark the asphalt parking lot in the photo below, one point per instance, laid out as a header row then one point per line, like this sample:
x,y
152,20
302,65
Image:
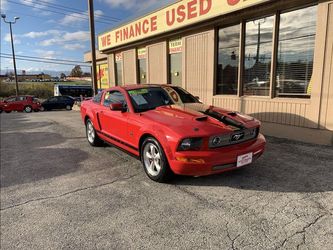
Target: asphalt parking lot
x,y
58,192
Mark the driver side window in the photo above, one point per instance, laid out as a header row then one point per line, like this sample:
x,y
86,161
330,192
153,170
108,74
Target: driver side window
x,y
114,97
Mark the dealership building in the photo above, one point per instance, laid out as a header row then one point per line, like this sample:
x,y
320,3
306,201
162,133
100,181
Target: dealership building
x,y
269,59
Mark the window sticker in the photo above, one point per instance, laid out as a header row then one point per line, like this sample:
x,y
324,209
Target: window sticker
x,y
139,100
138,92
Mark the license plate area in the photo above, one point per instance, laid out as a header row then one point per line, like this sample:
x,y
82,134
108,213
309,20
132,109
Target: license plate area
x,y
245,159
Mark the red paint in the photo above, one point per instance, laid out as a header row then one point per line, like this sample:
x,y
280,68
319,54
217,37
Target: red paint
x,y
170,124
106,40
233,2
192,9
145,26
153,23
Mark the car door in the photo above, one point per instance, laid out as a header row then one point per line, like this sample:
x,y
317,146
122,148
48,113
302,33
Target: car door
x,y
10,104
50,103
62,102
21,102
113,123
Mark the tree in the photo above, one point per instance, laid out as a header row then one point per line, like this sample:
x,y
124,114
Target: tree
x,y
76,71
62,76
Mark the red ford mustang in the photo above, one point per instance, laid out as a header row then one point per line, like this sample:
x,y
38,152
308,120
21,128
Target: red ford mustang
x,y
172,131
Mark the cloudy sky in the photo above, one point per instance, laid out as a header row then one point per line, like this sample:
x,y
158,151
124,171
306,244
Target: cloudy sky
x,y
59,29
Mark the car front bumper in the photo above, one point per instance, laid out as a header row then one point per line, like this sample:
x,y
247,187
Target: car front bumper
x,y
200,163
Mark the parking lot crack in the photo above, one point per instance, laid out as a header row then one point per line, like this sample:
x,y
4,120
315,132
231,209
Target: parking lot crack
x,y
301,232
68,193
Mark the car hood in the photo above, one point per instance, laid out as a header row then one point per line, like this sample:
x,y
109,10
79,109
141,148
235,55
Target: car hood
x,y
201,118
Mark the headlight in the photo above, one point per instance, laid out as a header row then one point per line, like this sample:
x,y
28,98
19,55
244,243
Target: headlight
x,y
190,144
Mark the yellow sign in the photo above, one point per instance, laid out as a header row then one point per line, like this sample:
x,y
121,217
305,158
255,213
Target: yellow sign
x,y
141,53
103,76
175,46
175,16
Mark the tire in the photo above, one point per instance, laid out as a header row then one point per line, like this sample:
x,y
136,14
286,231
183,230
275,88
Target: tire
x,y
27,109
0,111
154,161
41,108
91,134
8,111
68,107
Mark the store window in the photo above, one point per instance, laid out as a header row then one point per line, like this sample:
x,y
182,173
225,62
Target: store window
x,y
228,60
257,56
175,59
119,69
142,65
294,67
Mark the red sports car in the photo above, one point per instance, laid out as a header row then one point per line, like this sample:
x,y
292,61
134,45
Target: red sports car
x,y
24,103
171,131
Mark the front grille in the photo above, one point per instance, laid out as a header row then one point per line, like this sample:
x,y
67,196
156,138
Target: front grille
x,y
233,138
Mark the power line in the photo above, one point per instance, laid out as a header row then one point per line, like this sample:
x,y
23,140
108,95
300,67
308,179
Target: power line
x,y
41,61
67,8
45,58
53,11
37,17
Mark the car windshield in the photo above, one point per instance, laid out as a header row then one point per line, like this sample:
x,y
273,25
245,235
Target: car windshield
x,y
149,98
184,96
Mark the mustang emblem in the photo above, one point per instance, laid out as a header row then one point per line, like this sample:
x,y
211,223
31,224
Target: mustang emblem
x,y
237,137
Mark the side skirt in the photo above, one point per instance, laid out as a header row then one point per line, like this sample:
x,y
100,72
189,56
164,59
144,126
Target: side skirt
x,y
119,144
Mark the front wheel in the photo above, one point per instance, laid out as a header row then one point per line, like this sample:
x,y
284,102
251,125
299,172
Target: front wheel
x,y
92,137
68,107
28,109
154,161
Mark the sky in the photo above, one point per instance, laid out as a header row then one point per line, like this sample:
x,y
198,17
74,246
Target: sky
x,y
59,29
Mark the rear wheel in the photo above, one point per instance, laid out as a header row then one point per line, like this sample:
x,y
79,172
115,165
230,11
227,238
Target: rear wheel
x,y
8,111
28,109
154,161
92,137
68,107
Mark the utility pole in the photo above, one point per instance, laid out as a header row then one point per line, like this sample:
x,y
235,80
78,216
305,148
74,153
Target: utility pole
x,y
13,51
92,43
258,22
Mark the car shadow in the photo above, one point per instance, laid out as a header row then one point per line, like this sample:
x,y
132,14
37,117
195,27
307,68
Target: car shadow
x,y
286,166
33,156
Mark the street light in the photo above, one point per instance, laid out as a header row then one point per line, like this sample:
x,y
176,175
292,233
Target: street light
x,y
13,52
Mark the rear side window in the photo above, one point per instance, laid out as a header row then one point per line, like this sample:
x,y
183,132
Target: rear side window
x,y
21,98
113,97
11,99
97,98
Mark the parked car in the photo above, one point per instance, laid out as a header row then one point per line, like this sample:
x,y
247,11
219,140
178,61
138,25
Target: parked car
x,y
58,102
21,103
172,131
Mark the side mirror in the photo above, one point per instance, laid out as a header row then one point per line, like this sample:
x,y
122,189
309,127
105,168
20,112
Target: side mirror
x,y
117,107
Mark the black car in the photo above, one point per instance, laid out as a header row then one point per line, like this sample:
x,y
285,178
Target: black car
x,y
58,102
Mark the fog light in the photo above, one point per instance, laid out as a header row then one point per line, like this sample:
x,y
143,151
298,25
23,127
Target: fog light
x,y
190,160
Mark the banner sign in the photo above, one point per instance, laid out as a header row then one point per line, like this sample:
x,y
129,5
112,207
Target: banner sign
x,y
119,57
141,53
175,16
175,46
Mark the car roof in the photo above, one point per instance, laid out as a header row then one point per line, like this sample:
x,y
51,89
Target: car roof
x,y
141,86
